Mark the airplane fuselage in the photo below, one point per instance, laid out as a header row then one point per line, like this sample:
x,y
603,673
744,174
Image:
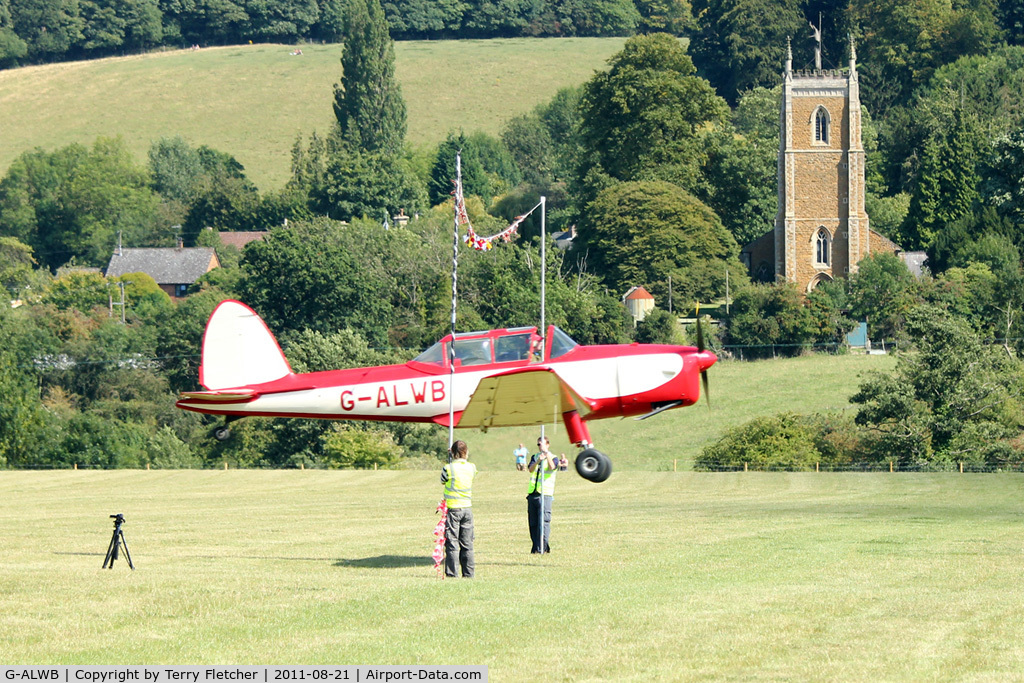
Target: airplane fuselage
x,y
616,381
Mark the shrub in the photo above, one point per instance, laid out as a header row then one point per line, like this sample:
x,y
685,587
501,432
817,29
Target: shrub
x,y
782,441
789,442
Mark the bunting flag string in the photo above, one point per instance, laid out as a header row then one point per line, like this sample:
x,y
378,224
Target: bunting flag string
x,y
439,533
484,243
474,240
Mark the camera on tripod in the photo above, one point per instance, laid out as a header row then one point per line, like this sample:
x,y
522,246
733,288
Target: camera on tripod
x,y
117,542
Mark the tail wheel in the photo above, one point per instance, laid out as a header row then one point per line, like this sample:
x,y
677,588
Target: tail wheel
x,y
593,465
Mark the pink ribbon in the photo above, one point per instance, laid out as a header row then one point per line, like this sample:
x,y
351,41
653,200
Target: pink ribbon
x,y
439,534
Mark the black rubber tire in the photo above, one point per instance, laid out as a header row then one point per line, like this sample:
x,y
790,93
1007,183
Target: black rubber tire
x,y
222,433
593,465
605,470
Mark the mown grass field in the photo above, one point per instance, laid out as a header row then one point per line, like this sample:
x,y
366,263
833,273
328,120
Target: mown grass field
x,y
253,101
653,575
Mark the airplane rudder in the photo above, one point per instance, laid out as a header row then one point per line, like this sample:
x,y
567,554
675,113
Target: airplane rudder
x,y
239,349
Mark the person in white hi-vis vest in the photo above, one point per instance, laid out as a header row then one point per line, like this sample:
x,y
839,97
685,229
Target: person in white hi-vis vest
x,y
457,478
543,468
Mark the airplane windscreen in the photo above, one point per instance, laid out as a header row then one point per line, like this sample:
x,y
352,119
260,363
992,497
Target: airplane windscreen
x,y
473,351
561,343
434,355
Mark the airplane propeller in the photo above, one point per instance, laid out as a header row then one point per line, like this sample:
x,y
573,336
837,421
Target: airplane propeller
x,y
700,348
662,407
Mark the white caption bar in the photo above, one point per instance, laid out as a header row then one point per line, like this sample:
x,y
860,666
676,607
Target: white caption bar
x,y
257,674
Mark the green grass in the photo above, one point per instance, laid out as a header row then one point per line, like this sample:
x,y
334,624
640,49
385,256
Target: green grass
x,y
654,575
253,101
740,391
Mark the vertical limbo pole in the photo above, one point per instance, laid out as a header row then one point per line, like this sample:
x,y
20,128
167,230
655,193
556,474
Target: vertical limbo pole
x,y
543,294
455,280
545,342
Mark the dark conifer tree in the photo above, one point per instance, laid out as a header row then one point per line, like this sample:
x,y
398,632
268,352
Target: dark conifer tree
x,y
368,102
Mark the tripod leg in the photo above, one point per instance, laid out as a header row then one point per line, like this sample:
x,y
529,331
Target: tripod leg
x,y
127,554
111,552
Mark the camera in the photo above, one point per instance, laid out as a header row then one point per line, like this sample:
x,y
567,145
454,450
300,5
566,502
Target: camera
x,y
119,517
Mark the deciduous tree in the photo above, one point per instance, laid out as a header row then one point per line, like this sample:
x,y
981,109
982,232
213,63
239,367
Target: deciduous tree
x,y
640,119
641,233
954,399
742,44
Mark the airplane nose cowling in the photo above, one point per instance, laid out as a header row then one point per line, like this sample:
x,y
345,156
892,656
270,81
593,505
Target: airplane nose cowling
x,y
705,359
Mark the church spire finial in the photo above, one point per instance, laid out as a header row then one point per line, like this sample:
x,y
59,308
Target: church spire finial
x,y
789,55
853,54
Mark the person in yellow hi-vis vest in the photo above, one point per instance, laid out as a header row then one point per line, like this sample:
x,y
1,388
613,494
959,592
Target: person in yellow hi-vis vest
x,y
457,478
543,467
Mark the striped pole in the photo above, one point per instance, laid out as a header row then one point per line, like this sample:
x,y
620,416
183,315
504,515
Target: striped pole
x,y
455,280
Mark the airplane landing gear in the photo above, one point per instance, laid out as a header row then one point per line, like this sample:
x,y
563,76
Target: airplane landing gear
x,y
223,432
593,465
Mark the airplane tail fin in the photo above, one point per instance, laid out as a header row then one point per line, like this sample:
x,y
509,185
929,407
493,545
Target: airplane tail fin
x,y
239,350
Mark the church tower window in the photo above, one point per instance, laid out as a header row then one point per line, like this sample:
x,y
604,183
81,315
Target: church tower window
x,y
822,248
821,126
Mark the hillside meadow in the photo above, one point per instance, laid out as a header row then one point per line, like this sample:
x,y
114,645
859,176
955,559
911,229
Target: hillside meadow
x,y
253,101
652,576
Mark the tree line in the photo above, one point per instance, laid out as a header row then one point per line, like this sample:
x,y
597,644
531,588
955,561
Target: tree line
x,y
38,31
661,191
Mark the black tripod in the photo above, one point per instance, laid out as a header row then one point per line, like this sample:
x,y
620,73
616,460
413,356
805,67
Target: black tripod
x,y
116,541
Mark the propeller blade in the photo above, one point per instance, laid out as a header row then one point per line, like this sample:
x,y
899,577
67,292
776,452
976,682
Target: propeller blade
x,y
700,332
700,349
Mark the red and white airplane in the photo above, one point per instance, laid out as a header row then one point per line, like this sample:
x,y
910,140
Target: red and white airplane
x,y
502,378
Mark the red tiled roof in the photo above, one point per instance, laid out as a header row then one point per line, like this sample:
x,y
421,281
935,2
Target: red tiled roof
x,y
639,293
239,239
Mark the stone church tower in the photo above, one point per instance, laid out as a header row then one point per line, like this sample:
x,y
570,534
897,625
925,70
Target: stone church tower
x,y
821,230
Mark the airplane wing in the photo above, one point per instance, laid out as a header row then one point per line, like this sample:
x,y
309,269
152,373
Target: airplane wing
x,y
519,398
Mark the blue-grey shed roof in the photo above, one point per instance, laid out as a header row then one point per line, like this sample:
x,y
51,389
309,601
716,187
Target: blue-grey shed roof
x,y
168,266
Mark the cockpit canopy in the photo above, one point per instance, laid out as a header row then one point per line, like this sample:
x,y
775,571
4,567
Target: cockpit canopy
x,y
497,346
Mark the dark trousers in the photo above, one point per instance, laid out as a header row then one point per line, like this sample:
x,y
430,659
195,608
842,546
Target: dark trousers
x,y
458,542
535,503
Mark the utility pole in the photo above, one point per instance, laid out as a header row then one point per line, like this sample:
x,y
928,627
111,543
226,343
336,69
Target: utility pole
x,y
727,291
112,303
